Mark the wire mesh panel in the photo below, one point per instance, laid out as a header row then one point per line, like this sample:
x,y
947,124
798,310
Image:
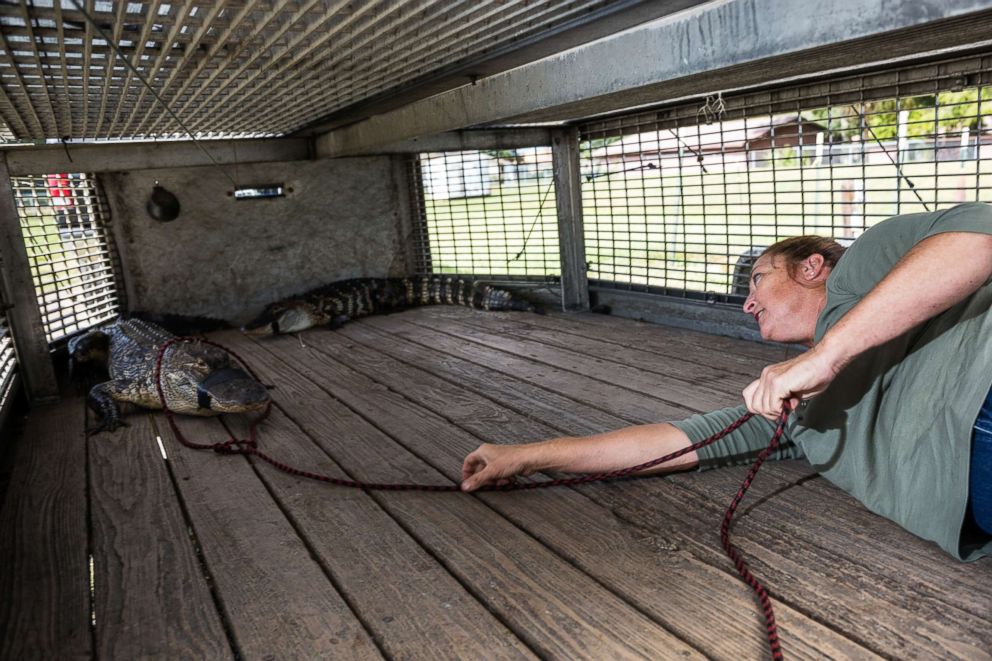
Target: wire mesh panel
x,y
487,213
681,200
73,264
228,65
8,364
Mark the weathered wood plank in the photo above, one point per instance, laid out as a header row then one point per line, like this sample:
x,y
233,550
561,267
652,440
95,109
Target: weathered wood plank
x,y
279,602
408,600
688,597
637,333
44,570
526,398
867,606
634,328
150,596
718,378
676,391
652,353
821,514
626,403
660,339
558,610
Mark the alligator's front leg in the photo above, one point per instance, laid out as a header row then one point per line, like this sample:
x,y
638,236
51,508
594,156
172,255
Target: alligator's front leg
x,y
103,400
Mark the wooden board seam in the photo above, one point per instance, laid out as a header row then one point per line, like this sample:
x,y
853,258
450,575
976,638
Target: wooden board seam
x,y
194,539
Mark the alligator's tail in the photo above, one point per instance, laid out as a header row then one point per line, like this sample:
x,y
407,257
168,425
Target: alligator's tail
x,y
340,302
495,299
452,290
524,306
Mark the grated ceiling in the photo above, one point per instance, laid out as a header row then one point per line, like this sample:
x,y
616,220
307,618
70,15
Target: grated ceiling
x,y
239,68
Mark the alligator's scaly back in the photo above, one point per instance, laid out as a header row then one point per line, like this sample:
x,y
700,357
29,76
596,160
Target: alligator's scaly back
x,y
342,301
197,378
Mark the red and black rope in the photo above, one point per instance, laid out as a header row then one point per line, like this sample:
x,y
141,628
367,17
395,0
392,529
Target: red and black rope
x,y
249,446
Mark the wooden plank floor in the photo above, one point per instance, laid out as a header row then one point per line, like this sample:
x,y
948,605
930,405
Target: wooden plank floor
x,y
109,550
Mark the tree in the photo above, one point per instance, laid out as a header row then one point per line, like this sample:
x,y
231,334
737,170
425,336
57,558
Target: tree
x,y
928,115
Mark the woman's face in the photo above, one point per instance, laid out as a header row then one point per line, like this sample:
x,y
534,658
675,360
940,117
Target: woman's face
x,y
786,308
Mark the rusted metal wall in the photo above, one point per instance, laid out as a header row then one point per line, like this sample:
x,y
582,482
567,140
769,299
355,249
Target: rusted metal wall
x,y
227,258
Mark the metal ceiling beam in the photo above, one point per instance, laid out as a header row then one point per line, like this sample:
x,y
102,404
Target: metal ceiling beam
x,y
717,46
118,157
473,140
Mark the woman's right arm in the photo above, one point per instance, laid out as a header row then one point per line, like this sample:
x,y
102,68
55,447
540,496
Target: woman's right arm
x,y
598,453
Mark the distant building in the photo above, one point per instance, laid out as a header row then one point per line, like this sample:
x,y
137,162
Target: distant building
x,y
724,143
733,143
469,177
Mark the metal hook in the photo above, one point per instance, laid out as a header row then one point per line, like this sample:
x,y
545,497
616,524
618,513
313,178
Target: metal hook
x,y
712,109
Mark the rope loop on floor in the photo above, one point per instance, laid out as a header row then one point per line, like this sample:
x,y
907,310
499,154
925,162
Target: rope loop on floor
x,y
249,446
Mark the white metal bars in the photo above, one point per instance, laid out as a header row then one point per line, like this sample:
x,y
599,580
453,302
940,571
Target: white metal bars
x,y
679,200
73,263
8,364
231,68
486,213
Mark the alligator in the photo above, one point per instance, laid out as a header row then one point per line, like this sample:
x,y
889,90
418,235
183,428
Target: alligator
x,y
197,378
337,303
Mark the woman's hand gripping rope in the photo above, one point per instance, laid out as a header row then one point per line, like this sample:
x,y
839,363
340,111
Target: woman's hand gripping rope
x,y
790,382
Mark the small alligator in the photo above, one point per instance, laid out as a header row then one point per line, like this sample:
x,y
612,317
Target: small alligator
x,y
197,378
335,304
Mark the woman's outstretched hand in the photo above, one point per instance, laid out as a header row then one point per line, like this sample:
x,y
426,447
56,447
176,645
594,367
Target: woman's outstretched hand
x,y
494,465
789,382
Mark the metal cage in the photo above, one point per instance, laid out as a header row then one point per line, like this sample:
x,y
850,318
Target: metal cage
x,y
681,199
8,365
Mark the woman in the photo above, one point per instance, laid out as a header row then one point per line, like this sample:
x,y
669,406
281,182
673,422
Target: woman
x,y
886,401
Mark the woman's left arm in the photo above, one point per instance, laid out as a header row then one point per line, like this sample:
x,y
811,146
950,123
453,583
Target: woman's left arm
x,y
939,272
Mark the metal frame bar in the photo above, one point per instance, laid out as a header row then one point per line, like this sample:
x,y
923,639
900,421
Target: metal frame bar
x,y
8,56
24,317
9,379
118,157
474,139
571,239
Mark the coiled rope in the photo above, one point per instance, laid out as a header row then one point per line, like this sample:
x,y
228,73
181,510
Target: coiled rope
x,y
249,447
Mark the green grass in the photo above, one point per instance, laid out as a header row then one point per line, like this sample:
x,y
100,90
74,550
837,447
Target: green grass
x,y
58,266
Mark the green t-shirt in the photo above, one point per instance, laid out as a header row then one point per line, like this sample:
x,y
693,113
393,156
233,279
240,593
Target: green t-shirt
x,y
894,428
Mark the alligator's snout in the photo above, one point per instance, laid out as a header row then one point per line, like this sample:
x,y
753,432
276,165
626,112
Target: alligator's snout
x,y
287,317
260,327
231,390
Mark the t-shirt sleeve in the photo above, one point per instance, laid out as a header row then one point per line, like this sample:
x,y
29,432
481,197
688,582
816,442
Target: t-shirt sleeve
x,y
881,247
973,217
739,447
